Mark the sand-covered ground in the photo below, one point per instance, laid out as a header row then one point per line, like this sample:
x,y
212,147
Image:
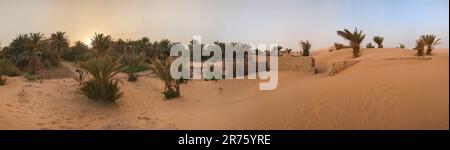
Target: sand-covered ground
x,y
386,89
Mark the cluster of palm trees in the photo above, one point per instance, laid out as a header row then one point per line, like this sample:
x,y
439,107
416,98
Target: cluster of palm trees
x,y
32,51
356,37
427,41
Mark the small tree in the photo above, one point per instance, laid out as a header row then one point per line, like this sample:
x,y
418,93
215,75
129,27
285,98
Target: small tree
x,y
355,38
402,46
306,46
162,69
430,41
133,62
369,45
379,40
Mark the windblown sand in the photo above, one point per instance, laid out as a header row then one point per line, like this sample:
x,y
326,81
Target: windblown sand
x,y
386,89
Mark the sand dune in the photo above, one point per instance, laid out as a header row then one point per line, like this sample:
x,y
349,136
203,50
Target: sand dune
x,y
379,92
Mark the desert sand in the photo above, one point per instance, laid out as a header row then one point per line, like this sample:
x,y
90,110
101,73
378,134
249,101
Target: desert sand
x,y
386,89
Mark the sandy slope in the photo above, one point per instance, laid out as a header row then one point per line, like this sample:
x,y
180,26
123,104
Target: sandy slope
x,y
374,94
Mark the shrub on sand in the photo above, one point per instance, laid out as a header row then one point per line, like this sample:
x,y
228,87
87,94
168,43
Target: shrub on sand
x,y
420,46
162,69
369,45
379,40
402,46
102,86
134,62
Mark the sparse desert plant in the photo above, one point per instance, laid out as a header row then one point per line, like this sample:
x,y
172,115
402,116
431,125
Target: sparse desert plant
x,y
402,46
339,46
133,62
430,41
306,47
420,47
369,45
6,67
354,38
102,86
80,76
379,40
162,69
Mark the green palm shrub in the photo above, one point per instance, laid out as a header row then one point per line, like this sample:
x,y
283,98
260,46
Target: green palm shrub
x,y
102,86
355,38
402,46
133,63
6,67
162,69
369,45
306,47
430,41
379,40
420,47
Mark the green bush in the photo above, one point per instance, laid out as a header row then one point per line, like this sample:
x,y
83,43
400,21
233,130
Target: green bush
x,y
369,45
6,67
102,86
162,70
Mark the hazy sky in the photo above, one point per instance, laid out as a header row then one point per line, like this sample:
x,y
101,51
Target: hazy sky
x,y
255,21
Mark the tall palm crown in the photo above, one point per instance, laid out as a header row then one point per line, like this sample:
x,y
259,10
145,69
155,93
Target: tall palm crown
x,y
379,40
355,38
36,46
101,43
58,44
430,41
306,46
59,41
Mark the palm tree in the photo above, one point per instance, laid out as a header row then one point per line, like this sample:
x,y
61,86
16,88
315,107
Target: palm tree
x,y
101,44
133,61
430,41
103,86
58,44
35,51
420,46
306,46
162,69
402,46
354,38
17,49
379,40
